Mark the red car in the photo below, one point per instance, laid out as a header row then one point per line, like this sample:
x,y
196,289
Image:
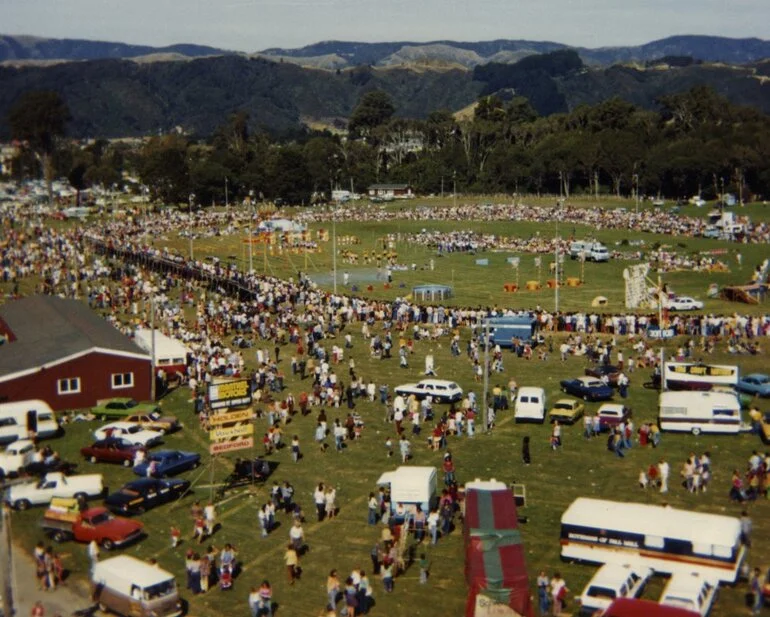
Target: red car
x,y
97,524
111,450
599,371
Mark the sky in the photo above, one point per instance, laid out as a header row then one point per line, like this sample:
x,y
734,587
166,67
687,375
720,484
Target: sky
x,y
254,25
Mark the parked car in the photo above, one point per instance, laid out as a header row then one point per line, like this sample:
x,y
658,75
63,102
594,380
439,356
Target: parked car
x,y
757,384
155,422
612,581
683,303
612,414
529,405
691,592
111,450
587,388
600,370
64,521
441,390
566,411
168,463
140,495
130,432
22,496
16,457
121,407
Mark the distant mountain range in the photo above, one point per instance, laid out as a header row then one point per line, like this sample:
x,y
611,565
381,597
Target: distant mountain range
x,y
126,97
334,55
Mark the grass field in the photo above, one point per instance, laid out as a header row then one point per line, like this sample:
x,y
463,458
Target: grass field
x,y
483,285
581,468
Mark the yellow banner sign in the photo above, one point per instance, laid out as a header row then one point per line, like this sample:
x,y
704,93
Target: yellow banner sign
x,y
228,432
229,389
230,417
230,446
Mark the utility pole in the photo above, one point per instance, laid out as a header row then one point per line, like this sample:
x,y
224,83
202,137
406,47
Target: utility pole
x,y
7,568
454,189
227,198
334,246
189,216
636,192
153,379
556,255
485,401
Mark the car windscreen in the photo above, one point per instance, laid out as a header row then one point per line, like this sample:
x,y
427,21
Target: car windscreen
x,y
160,590
597,591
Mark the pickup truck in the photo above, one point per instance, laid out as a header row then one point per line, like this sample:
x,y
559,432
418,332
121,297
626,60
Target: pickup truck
x,y
56,484
16,457
63,521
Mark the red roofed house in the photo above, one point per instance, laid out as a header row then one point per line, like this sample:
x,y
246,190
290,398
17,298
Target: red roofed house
x,y
62,352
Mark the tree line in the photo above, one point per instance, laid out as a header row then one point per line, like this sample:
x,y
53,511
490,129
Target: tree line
x,y
697,142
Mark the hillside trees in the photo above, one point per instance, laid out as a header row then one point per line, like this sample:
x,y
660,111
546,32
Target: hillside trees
x,y
39,119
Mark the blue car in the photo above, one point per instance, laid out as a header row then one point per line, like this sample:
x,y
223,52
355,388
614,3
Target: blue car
x,y
756,383
168,463
587,388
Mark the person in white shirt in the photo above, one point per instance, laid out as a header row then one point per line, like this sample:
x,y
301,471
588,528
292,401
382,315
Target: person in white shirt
x,y
663,469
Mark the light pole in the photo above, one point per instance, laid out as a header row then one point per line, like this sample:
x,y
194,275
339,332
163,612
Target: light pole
x,y
190,226
454,189
251,257
227,197
722,194
334,246
636,192
556,284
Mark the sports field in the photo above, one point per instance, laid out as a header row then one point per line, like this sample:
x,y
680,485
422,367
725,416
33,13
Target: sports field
x,y
580,468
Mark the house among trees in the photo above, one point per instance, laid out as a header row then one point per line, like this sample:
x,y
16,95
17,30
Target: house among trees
x,y
391,191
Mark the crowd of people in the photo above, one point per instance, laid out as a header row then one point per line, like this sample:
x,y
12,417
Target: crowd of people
x,y
118,270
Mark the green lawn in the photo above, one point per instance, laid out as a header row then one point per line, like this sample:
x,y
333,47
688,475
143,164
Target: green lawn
x,y
582,468
483,285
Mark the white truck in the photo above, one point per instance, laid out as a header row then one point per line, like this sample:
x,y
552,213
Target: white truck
x,y
56,484
16,457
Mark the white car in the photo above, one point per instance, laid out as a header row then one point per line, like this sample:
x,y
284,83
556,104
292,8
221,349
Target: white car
x,y
55,484
16,457
684,303
130,432
442,390
612,581
691,592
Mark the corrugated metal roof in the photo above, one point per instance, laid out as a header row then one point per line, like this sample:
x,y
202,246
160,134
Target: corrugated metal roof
x,y
48,328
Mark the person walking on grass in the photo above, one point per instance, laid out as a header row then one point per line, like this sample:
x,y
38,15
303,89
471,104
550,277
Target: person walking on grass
x,y
295,453
291,559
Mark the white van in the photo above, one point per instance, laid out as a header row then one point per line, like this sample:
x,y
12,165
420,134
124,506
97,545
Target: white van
x,y
700,412
612,581
578,248
129,586
27,419
530,405
598,252
691,592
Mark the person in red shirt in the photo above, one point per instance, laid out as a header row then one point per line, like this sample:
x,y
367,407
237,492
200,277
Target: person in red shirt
x,y
38,610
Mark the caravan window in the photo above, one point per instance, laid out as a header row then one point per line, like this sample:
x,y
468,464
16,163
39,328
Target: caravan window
x,y
8,421
44,416
674,411
700,548
654,541
725,412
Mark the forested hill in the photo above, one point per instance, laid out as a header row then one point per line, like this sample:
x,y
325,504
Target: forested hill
x,y
109,98
37,48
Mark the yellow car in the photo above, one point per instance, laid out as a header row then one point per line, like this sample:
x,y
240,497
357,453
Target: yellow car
x,y
566,411
155,422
